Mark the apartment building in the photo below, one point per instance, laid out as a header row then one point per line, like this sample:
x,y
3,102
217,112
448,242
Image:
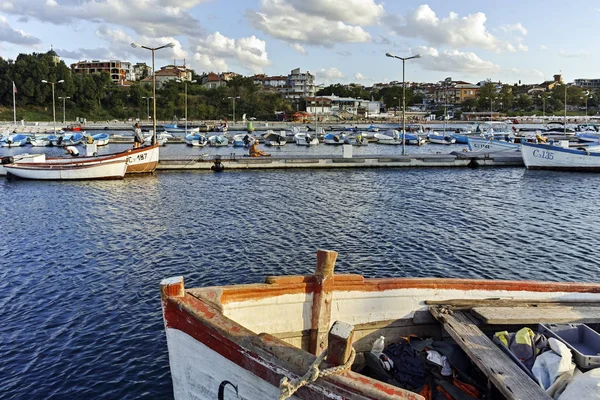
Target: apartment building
x,y
120,71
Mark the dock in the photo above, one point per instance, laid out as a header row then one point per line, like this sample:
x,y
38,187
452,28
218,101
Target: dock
x,y
237,162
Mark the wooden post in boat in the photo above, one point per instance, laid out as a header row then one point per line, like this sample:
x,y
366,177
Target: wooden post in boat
x,y
321,305
172,287
340,343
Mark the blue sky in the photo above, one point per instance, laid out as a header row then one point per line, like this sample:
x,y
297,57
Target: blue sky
x,y
337,40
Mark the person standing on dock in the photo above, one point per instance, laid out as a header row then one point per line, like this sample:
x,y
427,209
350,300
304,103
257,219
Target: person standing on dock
x,y
138,138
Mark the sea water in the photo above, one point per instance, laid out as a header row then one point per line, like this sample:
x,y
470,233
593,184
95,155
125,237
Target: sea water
x,y
82,261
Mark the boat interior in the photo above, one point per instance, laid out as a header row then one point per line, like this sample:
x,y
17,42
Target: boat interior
x,y
287,320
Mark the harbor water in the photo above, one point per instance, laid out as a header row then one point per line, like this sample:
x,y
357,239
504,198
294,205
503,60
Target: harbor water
x,y
82,261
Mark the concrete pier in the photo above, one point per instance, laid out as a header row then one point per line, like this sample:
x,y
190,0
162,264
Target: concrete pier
x,y
235,162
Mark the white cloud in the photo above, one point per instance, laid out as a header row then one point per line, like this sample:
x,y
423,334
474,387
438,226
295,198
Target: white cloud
x,y
454,61
543,47
280,19
452,31
518,27
574,54
359,76
298,48
215,49
359,12
15,36
329,75
146,17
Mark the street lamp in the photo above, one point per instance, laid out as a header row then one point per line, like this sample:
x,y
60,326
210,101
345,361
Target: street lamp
x,y
543,106
185,89
491,106
403,96
147,106
153,49
64,99
233,98
53,103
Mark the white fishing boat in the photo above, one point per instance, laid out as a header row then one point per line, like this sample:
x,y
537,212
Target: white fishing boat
x,y
162,139
320,336
306,139
242,140
196,140
550,157
101,139
479,144
218,141
14,140
19,159
437,138
141,160
390,137
41,141
273,138
108,168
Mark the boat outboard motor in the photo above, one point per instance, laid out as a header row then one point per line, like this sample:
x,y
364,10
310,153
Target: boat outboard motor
x,y
8,160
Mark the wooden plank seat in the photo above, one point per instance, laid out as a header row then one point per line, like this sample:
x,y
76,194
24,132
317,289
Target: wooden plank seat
x,y
535,315
502,371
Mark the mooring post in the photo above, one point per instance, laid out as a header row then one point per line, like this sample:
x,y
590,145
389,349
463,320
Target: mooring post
x,y
321,305
339,344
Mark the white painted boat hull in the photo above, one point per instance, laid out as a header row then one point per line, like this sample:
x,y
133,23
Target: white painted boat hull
x,y
114,169
24,158
545,156
491,146
300,139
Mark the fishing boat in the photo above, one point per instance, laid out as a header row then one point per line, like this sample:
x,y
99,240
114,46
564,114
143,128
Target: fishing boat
x,y
196,140
437,138
390,137
491,145
141,160
334,138
73,127
104,168
162,138
242,140
550,157
14,140
19,159
72,139
218,141
305,139
101,139
273,138
40,141
372,128
315,336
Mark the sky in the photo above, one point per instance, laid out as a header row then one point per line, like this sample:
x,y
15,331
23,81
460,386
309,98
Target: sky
x,y
339,41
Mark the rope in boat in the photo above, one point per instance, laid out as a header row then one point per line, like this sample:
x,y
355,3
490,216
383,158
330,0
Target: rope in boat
x,y
288,388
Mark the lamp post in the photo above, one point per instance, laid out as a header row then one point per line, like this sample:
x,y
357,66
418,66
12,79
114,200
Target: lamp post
x,y
147,106
53,102
153,49
233,98
185,90
64,115
445,84
403,96
586,104
543,106
491,106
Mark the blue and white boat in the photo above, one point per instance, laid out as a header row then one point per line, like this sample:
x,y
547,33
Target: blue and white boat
x,y
40,141
546,156
306,139
390,137
459,138
588,136
334,138
72,139
485,145
438,138
242,140
14,140
196,140
101,139
218,141
372,128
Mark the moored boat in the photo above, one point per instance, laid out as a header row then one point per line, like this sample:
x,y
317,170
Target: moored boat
x,y
305,139
196,139
273,138
19,159
110,168
491,145
334,138
390,137
258,341
437,138
101,139
218,141
14,140
546,156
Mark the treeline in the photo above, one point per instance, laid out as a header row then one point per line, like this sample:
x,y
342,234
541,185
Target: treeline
x,y
96,97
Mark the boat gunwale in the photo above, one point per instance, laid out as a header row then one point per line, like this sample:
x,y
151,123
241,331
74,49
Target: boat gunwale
x,y
297,284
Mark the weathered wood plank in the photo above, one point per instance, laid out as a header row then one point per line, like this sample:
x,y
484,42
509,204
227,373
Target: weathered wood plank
x,y
322,298
499,302
340,340
510,380
534,315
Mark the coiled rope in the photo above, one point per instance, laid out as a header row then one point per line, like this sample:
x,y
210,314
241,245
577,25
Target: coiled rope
x,y
288,388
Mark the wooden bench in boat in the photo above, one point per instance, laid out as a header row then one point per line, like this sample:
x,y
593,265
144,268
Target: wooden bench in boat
x,y
510,380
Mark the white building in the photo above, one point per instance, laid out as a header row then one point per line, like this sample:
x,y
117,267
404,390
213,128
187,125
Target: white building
x,y
299,85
